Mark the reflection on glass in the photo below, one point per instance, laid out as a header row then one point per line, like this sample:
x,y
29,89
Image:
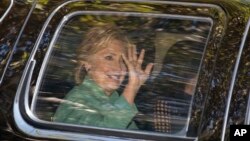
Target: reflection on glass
x,y
103,59
175,46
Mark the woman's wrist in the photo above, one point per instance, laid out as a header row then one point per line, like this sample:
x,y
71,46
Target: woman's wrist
x,y
129,93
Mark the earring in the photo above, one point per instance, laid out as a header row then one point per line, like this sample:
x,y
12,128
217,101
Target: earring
x,y
82,68
87,69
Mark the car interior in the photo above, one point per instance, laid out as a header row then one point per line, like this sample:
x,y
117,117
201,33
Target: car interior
x,y
163,104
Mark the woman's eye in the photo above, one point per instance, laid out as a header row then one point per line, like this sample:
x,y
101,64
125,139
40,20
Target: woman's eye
x,y
109,58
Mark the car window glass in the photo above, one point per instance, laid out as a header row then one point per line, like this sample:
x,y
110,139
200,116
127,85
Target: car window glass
x,y
175,46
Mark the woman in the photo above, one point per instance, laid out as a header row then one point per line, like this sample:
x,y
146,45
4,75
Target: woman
x,y
104,59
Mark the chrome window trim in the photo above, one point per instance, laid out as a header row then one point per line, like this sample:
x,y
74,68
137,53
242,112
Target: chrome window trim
x,y
232,84
7,11
169,2
45,26
37,132
247,118
138,1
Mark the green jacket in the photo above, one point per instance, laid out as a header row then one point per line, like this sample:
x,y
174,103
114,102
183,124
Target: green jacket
x,y
87,104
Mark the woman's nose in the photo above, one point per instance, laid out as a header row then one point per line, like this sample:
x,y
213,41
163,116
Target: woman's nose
x,y
119,67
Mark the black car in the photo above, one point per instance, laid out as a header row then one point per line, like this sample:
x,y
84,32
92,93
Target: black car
x,y
198,87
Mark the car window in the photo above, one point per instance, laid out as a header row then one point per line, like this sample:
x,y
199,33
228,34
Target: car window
x,y
175,46
175,43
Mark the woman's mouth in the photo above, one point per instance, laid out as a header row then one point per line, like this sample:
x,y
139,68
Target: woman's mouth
x,y
116,78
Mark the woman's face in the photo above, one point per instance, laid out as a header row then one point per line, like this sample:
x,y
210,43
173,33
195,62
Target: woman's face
x,y
107,68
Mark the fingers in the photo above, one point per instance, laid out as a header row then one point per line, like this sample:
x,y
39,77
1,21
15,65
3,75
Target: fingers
x,y
127,62
137,76
145,74
134,53
130,52
149,68
140,59
125,59
134,61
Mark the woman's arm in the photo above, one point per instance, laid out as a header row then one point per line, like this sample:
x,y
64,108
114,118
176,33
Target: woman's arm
x,y
137,76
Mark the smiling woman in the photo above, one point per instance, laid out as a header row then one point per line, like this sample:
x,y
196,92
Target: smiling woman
x,y
104,58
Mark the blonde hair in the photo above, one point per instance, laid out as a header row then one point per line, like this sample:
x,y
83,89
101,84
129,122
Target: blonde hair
x,y
96,39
